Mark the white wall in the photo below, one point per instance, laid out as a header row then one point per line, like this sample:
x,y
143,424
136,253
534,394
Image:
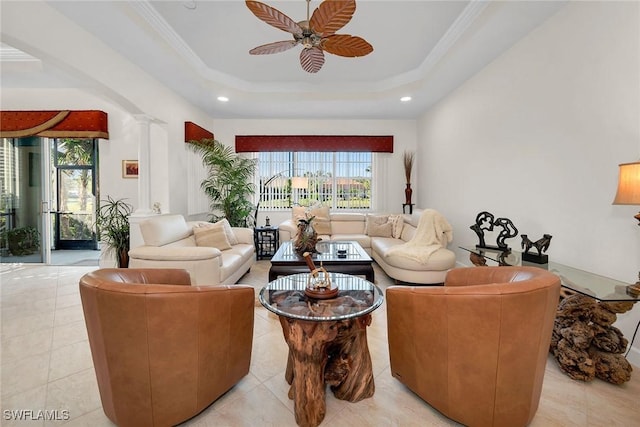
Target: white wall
x,y
537,137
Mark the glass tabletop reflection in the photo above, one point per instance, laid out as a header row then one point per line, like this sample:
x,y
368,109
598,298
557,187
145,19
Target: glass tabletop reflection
x,y
356,297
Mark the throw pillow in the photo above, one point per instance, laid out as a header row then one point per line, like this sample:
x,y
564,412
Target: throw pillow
x,y
224,223
322,226
397,224
379,226
320,213
212,236
321,222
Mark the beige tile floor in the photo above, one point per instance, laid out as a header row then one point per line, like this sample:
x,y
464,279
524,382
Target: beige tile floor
x,y
46,365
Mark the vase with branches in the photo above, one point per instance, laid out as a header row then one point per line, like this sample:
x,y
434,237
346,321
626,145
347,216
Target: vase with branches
x,y
229,184
408,158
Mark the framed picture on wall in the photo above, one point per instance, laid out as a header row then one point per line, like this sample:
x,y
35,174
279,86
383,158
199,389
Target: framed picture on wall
x,y
129,168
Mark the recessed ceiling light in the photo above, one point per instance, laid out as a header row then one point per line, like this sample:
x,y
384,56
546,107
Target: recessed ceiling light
x,y
405,99
191,4
223,99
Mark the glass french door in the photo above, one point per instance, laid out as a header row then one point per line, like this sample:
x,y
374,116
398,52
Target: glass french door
x,y
23,229
48,199
73,193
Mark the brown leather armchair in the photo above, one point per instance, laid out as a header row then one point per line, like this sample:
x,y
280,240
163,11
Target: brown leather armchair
x,y
163,351
476,348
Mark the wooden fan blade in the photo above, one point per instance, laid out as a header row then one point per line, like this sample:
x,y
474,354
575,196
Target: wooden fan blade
x,y
274,17
346,45
275,47
330,16
312,59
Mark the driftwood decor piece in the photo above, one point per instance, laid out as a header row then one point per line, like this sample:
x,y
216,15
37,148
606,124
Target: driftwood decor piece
x,y
486,221
321,353
328,352
541,246
586,344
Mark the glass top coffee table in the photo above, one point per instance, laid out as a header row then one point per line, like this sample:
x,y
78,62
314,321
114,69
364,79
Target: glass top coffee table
x,y
327,340
354,260
583,282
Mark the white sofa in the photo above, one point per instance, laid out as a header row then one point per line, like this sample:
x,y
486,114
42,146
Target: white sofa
x,y
352,226
170,243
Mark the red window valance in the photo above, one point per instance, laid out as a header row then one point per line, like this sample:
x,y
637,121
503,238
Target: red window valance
x,y
256,143
54,124
193,132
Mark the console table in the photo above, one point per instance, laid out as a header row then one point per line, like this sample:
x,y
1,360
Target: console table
x,y
327,341
585,343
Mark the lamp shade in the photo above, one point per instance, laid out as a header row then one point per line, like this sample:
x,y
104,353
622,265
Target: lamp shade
x,y
628,185
299,182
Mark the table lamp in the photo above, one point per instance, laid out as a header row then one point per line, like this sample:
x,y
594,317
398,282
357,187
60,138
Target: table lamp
x,y
629,194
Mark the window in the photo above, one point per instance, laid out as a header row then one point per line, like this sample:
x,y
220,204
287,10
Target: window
x,y
340,180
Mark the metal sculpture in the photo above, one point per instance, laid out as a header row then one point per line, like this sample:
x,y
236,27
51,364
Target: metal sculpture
x,y
508,231
486,221
541,246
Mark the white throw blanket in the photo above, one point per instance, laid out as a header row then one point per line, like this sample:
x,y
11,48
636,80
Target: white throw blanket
x,y
433,232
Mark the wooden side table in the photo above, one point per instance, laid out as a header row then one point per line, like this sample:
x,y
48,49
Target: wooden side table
x,y
266,241
407,205
327,341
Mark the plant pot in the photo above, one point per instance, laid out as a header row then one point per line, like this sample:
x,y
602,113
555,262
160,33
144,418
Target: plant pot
x,y
123,258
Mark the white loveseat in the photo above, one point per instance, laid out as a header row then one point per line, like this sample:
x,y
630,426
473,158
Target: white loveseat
x,y
170,243
353,226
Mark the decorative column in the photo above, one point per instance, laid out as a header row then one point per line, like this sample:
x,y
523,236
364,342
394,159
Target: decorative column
x,y
144,164
143,210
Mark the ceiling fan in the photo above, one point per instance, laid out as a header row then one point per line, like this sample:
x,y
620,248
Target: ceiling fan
x,y
316,35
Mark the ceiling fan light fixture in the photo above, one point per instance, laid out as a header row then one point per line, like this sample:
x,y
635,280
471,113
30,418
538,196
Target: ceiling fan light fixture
x,y
316,34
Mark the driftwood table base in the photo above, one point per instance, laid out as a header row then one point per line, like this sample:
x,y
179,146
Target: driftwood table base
x,y
320,353
586,344
327,340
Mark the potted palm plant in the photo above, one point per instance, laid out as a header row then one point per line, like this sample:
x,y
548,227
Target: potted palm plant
x,y
113,228
229,185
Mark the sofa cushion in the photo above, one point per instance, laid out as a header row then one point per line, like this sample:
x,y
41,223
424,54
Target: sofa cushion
x,y
347,223
442,259
164,229
228,230
213,236
320,212
362,239
234,258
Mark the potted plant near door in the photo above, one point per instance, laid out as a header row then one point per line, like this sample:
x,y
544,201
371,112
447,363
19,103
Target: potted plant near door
x,y
22,241
113,228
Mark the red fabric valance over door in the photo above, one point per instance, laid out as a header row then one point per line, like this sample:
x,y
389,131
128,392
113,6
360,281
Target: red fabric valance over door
x,y
54,124
332,143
